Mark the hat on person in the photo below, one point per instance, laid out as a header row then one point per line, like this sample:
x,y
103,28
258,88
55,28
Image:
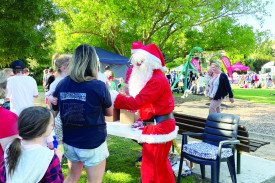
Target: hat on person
x,y
17,65
136,46
107,67
153,52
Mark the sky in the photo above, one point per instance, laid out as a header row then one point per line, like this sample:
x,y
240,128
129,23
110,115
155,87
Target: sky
x,y
269,21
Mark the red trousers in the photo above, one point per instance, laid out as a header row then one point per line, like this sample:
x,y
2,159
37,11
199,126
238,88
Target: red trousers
x,y
155,166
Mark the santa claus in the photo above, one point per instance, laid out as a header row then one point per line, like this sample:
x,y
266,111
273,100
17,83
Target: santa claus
x,y
151,95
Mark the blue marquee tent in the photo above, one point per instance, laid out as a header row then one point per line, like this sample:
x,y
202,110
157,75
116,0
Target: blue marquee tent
x,y
118,64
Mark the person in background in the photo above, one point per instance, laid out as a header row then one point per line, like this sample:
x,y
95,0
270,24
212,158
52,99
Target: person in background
x,y
26,160
200,83
8,120
21,89
49,79
8,72
26,71
61,64
207,79
45,74
111,83
102,77
121,85
109,73
219,89
174,76
168,76
83,101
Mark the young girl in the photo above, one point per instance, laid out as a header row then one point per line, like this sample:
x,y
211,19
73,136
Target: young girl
x,y
26,160
61,64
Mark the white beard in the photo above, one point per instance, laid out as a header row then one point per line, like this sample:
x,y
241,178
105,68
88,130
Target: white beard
x,y
141,74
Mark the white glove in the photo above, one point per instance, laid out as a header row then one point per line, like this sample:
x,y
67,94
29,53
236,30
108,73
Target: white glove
x,y
114,94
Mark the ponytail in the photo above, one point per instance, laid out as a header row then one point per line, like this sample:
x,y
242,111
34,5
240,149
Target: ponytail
x,y
13,154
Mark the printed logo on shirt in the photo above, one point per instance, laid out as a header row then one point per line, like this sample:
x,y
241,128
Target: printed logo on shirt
x,y
75,96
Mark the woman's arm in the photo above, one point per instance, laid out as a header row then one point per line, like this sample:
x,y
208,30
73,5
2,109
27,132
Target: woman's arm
x,y
109,111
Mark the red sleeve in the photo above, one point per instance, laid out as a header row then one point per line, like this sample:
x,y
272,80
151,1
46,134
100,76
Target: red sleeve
x,y
151,92
8,124
54,172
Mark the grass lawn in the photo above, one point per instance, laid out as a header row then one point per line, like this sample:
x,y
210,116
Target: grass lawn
x,y
40,88
254,95
121,163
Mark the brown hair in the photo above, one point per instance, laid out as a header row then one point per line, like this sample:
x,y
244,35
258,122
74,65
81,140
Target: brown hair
x,y
32,123
3,85
62,60
83,66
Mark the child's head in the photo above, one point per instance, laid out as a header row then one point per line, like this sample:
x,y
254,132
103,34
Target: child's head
x,y
8,72
33,122
121,80
62,62
209,72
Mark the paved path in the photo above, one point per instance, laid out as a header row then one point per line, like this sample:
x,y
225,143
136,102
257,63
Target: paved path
x,y
259,119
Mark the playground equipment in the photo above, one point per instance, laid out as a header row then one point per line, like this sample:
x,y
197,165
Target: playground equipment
x,y
186,67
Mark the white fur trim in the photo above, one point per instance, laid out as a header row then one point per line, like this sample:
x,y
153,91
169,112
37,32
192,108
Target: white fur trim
x,y
164,69
113,96
157,139
134,51
151,56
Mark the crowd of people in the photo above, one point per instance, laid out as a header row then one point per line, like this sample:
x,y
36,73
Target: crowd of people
x,y
253,80
80,96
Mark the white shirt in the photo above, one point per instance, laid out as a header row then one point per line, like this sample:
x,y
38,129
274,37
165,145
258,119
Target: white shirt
x,y
32,164
102,77
214,84
53,86
21,90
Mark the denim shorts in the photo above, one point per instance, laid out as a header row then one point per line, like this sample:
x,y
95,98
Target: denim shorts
x,y
89,157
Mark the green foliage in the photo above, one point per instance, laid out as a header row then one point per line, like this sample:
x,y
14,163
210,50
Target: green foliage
x,y
223,34
26,29
116,24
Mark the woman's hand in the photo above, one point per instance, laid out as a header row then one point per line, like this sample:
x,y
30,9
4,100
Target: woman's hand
x,y
231,100
53,100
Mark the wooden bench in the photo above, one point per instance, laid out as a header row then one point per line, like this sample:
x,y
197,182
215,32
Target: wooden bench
x,y
187,123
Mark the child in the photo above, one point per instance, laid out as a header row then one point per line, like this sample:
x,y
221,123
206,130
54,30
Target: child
x,y
208,77
121,85
61,64
26,160
112,85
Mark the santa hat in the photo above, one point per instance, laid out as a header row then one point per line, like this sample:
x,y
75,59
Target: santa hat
x,y
136,46
153,52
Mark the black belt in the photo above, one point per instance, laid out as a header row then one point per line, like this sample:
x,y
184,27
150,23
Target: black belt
x,y
160,118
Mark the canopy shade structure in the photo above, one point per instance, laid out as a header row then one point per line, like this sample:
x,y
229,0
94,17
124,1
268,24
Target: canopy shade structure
x,y
117,63
179,68
239,67
110,57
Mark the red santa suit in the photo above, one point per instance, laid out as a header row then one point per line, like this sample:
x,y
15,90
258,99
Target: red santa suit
x,y
154,99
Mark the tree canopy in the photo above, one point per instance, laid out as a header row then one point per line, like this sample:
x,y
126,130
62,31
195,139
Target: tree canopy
x,y
35,30
118,23
26,29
